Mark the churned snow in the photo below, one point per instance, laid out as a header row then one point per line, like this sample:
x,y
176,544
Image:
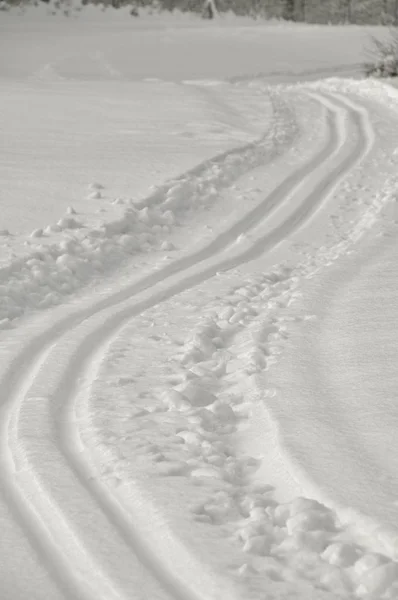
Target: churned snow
x,y
197,310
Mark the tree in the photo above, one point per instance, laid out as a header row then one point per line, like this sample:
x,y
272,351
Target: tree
x,y
209,9
288,10
349,11
303,14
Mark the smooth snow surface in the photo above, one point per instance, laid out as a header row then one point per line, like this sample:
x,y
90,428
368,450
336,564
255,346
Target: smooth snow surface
x,y
197,311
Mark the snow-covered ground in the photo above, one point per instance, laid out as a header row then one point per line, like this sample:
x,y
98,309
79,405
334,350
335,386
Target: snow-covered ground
x,y
197,311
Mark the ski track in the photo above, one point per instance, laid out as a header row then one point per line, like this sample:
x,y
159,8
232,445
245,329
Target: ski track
x,y
86,540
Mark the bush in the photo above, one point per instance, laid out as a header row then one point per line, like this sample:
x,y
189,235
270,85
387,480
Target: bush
x,y
384,55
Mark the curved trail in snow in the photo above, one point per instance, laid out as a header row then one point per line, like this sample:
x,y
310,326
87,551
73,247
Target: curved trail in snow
x,y
82,534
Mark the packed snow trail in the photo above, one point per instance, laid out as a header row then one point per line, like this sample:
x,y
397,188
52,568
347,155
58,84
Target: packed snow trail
x,y
50,486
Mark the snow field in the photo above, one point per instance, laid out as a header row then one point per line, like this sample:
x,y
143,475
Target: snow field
x,y
227,47
63,444
64,464
372,182
52,270
283,543
28,446
362,396
208,408
85,253
143,329
75,132
204,415
382,93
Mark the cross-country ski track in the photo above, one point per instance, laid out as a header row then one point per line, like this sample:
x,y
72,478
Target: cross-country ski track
x,y
81,531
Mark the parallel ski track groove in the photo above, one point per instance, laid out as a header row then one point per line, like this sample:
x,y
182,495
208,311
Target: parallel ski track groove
x,y
36,351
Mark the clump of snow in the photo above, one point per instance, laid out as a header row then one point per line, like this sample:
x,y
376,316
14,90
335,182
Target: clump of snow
x,y
341,554
171,468
368,562
197,394
94,195
375,582
311,519
168,246
68,223
174,400
51,229
95,186
37,233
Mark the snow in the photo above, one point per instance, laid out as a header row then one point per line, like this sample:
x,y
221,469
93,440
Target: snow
x,y
197,309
